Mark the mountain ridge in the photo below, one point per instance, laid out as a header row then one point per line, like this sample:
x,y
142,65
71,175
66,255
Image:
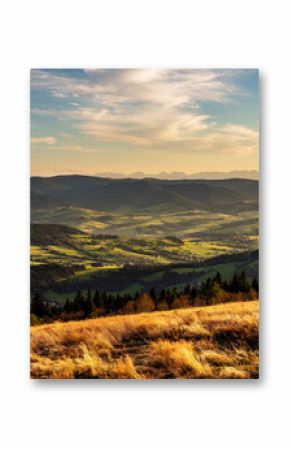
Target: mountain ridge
x,y
109,194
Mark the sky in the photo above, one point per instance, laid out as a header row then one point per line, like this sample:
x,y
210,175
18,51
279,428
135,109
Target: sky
x,y
150,120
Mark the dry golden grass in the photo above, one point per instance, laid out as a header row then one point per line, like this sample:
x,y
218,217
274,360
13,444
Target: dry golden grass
x,y
215,342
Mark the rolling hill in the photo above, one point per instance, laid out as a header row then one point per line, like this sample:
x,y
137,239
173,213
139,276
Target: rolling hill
x,y
64,259
154,195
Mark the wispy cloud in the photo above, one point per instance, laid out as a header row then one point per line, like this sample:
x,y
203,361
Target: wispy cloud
x,y
142,110
43,140
168,88
76,149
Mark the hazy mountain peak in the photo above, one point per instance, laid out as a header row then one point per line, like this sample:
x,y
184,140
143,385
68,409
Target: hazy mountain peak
x,y
246,174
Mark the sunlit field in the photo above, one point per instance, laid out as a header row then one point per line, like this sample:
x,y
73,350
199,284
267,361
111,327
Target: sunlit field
x,y
65,259
187,224
214,342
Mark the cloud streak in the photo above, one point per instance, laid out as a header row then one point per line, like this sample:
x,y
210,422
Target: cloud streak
x,y
43,140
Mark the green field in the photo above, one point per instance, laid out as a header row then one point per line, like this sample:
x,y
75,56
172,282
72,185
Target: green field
x,y
194,236
168,277
61,274
96,254
86,248
192,223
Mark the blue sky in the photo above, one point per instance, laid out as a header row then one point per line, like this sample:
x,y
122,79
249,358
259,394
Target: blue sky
x,y
150,120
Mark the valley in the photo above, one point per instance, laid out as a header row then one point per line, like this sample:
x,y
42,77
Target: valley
x,y
159,242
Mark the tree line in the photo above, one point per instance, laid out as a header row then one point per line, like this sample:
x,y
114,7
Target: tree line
x,y
101,303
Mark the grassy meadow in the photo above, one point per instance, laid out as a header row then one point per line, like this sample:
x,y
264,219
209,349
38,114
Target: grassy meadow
x,y
214,342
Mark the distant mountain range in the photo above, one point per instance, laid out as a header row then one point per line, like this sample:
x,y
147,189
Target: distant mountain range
x,y
245,174
139,195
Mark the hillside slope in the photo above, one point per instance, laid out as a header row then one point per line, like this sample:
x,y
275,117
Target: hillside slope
x,y
210,342
64,259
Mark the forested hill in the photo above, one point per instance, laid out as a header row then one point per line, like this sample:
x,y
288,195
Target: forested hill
x,y
146,194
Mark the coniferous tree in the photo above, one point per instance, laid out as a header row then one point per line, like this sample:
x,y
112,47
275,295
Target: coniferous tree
x,y
118,302
37,306
78,301
88,304
162,295
234,286
96,299
255,285
243,287
89,295
153,294
218,278
193,295
103,299
67,306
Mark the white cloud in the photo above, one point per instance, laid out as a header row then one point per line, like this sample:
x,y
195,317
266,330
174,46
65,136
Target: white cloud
x,y
158,86
152,109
